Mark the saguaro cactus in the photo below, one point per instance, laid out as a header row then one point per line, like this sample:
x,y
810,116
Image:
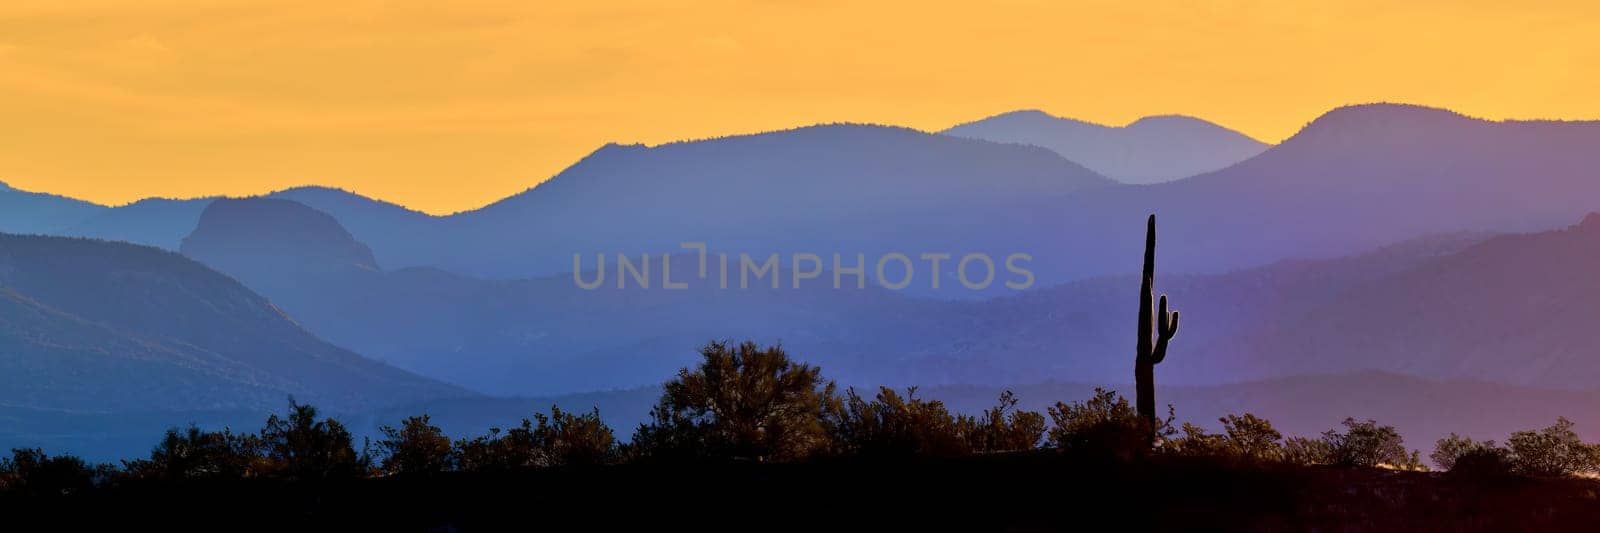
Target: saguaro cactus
x,y
1154,332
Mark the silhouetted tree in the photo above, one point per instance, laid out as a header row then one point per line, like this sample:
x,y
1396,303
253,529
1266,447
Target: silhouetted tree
x,y
1486,463
566,439
1251,437
1004,428
1448,450
1104,425
496,451
559,439
31,471
1365,443
1306,452
1195,441
1465,458
891,425
416,447
301,447
1153,334
1551,452
1244,438
197,454
740,402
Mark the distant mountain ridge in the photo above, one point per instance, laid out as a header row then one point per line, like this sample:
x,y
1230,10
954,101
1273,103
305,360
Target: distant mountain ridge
x,y
1149,150
547,335
103,326
1354,179
844,187
1513,309
37,213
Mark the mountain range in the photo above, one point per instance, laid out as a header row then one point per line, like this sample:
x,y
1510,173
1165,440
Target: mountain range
x,y
1380,238
547,335
1352,180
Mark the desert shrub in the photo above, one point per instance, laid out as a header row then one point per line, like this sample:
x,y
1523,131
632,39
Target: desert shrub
x,y
740,402
568,439
31,471
1365,443
1004,428
197,454
892,425
1484,462
416,447
301,447
1245,438
1447,451
1553,451
1251,437
1195,441
1307,452
561,438
495,451
1105,426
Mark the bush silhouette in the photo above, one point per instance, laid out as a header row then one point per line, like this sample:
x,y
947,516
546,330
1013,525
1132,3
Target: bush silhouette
x,y
1306,452
416,447
891,425
301,447
499,450
558,439
565,439
1251,437
1104,426
741,402
1195,441
1367,444
1449,450
1244,438
1004,428
1551,452
197,454
1484,463
33,472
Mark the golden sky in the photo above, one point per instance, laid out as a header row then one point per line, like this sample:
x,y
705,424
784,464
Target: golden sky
x,y
445,106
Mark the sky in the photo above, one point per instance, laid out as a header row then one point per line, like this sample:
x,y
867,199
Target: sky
x,y
447,106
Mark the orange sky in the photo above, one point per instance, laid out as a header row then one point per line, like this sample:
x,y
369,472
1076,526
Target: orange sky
x,y
450,105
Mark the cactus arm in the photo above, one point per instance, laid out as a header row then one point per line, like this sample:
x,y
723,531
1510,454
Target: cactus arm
x,y
1168,328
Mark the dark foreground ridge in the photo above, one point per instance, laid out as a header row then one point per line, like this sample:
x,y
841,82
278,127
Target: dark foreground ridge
x,y
1040,491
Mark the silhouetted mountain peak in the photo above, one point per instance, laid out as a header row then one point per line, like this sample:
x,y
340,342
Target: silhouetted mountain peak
x,y
1152,149
1381,121
1029,116
616,148
1174,121
317,196
5,187
833,131
268,235
1025,114
1392,110
889,166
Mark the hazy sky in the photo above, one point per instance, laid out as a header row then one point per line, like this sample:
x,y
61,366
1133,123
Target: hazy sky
x,y
450,105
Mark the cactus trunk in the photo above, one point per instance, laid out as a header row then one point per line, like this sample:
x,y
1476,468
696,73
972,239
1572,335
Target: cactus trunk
x,y
1156,328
